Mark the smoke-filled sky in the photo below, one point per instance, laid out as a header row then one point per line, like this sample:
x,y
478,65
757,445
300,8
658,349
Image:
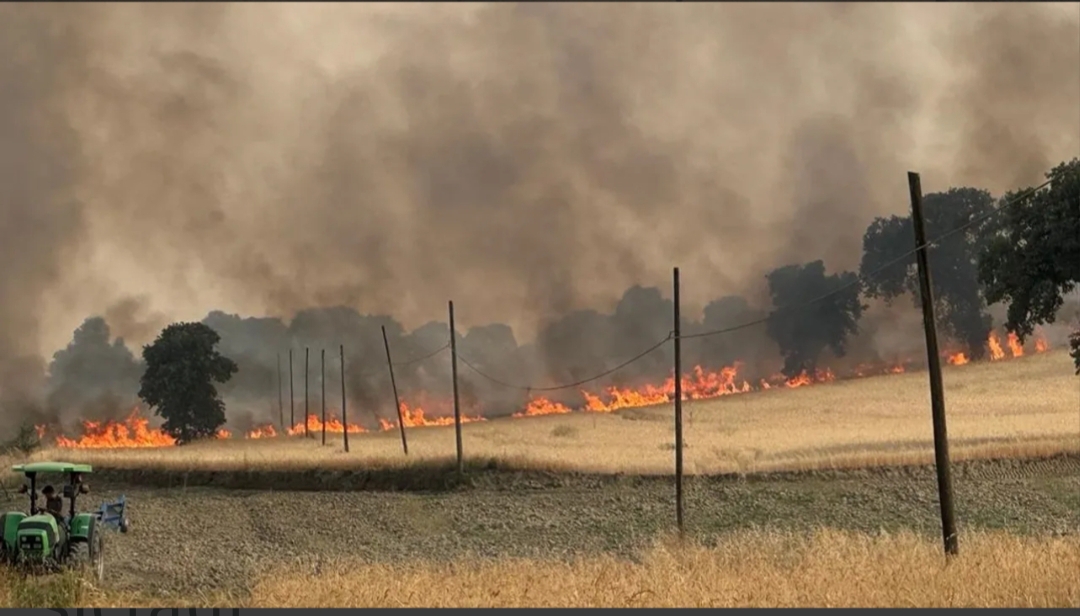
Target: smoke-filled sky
x,y
159,161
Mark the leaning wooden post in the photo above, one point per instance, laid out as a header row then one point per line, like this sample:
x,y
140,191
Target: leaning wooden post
x,y
457,406
678,411
933,360
280,404
307,398
344,415
322,381
292,395
393,386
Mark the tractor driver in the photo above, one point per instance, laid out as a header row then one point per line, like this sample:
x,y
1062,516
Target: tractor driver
x,y
53,504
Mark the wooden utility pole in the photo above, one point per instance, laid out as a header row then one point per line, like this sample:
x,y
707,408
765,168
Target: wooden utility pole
x,y
933,360
393,385
307,398
457,406
292,395
344,415
322,381
678,410
280,404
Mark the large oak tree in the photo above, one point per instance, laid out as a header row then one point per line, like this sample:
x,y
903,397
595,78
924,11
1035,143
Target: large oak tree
x,y
1032,257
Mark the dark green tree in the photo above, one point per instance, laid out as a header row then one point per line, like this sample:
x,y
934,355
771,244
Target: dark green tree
x,y
1032,257
803,331
958,300
182,366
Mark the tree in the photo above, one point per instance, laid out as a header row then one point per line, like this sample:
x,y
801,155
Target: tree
x,y
804,330
1032,258
958,299
182,366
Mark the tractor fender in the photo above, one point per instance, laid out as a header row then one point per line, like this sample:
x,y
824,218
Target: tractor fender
x,y
9,527
82,526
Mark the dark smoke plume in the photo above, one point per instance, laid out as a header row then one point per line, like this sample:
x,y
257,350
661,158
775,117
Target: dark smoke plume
x,y
528,161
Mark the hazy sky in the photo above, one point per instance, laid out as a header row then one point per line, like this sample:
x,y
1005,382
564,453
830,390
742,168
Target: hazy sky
x,y
162,160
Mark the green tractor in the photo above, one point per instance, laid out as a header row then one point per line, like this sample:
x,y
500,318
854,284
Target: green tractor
x,y
47,539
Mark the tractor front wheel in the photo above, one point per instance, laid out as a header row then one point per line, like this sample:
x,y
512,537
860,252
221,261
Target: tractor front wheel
x,y
89,556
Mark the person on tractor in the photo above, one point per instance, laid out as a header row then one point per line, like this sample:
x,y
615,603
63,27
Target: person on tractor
x,y
53,504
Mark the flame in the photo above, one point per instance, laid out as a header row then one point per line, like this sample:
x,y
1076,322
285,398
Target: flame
x,y
700,384
996,352
414,418
1012,342
333,424
265,431
542,406
134,431
1015,347
957,359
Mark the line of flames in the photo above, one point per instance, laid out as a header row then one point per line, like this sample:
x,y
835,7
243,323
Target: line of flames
x,y
997,352
700,384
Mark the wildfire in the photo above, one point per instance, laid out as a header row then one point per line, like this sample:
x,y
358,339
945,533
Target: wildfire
x,y
414,418
1012,342
134,431
333,424
266,431
699,385
957,359
543,406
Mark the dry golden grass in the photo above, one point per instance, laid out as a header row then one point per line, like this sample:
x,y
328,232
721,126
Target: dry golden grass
x,y
827,569
1026,407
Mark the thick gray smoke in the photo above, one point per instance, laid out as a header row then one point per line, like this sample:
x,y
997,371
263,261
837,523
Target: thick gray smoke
x,y
528,161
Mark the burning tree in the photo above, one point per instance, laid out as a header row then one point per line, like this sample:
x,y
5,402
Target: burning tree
x,y
182,366
1032,258
958,299
803,331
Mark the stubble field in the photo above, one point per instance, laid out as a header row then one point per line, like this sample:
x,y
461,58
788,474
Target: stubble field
x,y
813,496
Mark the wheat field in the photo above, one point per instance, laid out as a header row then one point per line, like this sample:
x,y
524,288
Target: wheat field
x,y
828,568
1023,407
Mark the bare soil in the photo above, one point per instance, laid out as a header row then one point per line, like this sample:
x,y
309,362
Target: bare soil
x,y
203,539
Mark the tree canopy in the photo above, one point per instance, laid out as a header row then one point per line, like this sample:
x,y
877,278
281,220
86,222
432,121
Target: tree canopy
x,y
804,331
958,299
1032,255
182,367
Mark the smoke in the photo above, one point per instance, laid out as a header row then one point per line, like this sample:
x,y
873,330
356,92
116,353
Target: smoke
x,y
529,161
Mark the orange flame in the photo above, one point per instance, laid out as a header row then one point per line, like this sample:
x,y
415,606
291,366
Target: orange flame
x,y
1041,346
128,433
333,424
1015,347
996,352
957,359
264,431
699,385
542,406
414,418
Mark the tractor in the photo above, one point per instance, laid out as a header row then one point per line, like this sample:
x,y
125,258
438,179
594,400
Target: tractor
x,y
47,539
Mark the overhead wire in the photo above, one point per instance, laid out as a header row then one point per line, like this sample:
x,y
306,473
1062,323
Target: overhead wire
x,y
861,279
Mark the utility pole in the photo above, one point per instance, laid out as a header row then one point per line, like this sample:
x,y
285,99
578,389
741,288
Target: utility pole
x,y
678,411
933,359
457,406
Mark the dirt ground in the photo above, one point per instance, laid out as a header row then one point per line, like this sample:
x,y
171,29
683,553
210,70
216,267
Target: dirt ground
x,y
205,539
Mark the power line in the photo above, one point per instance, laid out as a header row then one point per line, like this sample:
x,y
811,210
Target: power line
x,y
863,278
626,363
422,358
